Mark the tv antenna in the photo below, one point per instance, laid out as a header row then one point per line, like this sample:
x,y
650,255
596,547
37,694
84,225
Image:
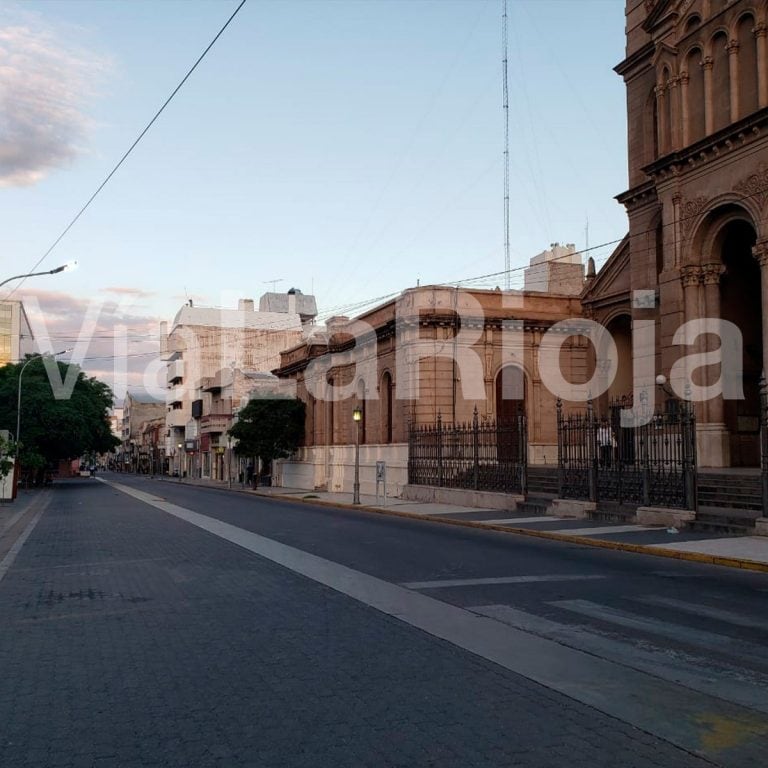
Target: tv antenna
x,y
273,283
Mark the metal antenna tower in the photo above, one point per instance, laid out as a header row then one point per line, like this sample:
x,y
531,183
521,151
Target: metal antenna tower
x,y
505,67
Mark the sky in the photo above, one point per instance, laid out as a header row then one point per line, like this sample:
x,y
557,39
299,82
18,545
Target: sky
x,y
348,148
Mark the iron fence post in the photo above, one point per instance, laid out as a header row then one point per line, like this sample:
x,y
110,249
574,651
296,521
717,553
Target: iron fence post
x,y
522,430
439,450
560,448
592,450
475,451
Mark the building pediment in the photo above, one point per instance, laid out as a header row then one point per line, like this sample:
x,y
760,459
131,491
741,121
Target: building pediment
x,y
613,279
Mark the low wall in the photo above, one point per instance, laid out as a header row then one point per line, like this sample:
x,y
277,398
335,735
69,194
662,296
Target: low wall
x,y
462,497
332,468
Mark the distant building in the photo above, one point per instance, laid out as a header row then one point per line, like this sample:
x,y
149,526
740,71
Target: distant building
x,y
16,338
139,407
212,356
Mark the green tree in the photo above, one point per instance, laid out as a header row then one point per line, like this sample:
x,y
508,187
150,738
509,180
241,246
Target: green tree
x,y
55,429
269,428
7,450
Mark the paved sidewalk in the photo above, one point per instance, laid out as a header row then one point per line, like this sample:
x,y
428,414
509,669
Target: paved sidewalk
x,y
737,551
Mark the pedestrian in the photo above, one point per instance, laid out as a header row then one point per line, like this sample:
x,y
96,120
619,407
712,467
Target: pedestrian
x,y
249,473
605,443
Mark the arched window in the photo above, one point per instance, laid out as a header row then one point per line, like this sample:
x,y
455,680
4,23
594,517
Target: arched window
x,y
652,128
747,54
386,407
695,96
721,86
665,113
693,22
659,248
330,416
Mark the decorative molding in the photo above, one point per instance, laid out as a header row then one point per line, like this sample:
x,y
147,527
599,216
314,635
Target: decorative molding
x,y
689,210
760,252
760,30
690,275
711,273
755,185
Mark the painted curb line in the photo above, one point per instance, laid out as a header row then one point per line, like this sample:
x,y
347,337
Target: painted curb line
x,y
641,549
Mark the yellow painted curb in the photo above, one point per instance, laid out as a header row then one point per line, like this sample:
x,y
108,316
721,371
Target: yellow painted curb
x,y
641,549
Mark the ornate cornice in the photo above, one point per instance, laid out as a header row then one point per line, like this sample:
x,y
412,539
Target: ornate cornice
x,y
726,140
636,197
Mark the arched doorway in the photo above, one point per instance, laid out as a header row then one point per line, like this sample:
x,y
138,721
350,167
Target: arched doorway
x,y
510,393
510,410
740,303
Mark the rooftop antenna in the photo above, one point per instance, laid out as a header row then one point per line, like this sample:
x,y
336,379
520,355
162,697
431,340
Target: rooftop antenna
x,y
505,67
273,283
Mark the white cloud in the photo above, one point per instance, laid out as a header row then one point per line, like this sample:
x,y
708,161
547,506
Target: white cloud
x,y
44,84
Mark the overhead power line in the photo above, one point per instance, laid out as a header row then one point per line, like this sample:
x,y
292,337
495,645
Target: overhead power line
x,y
130,149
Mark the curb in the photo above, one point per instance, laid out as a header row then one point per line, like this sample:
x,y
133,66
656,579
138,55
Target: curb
x,y
640,549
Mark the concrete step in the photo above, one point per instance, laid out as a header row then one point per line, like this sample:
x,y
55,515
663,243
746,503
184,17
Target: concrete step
x,y
612,513
726,520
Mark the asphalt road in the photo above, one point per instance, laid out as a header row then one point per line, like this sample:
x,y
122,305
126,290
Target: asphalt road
x,y
152,623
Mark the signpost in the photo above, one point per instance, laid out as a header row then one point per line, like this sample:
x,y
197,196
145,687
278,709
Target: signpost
x,y
381,477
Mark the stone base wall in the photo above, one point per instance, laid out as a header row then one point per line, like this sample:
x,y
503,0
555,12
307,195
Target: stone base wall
x,y
332,468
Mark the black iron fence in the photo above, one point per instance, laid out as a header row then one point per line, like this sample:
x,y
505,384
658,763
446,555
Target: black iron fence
x,y
764,443
634,456
479,455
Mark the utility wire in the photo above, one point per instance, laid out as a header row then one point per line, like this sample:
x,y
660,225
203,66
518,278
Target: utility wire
x,y
132,147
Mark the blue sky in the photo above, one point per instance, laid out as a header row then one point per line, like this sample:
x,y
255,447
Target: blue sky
x,y
349,147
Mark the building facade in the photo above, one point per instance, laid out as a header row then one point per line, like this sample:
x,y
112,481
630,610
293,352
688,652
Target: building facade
x,y
435,352
16,339
696,74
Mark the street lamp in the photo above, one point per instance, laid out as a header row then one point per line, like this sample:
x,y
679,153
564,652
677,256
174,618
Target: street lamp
x,y
179,446
63,268
357,417
18,395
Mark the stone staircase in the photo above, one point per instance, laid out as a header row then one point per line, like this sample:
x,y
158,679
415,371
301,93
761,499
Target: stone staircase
x,y
729,502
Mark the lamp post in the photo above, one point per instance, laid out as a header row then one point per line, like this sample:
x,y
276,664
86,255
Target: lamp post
x,y
62,268
18,394
229,462
180,448
357,417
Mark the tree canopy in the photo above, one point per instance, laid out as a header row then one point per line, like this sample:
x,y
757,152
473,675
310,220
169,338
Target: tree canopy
x,y
269,428
54,429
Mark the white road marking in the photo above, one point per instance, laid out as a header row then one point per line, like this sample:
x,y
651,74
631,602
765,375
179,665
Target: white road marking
x,y
688,635
717,614
733,684
669,711
516,520
606,529
441,584
13,552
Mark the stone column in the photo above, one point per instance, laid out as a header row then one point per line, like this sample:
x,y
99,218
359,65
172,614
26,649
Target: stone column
x,y
711,278
733,74
686,131
760,252
709,112
760,31
675,130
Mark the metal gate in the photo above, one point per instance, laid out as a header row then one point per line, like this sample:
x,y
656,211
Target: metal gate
x,y
633,456
480,455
